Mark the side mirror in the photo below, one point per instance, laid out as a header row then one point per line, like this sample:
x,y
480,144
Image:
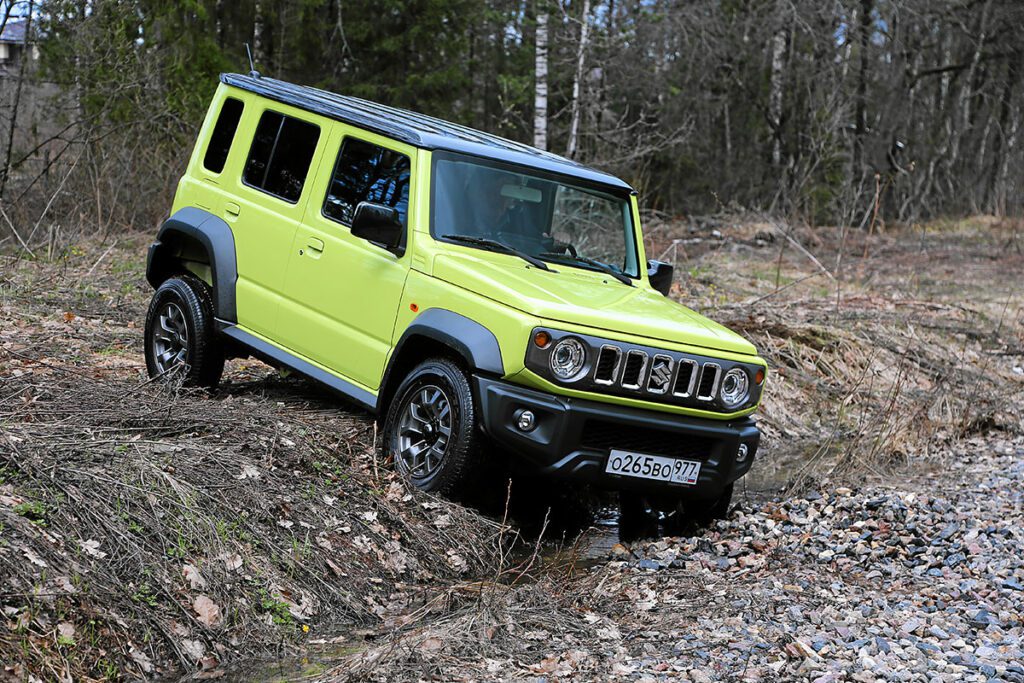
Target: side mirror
x,y
660,275
379,224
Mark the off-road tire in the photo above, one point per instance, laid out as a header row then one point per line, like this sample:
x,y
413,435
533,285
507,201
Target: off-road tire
x,y
635,519
639,517
203,361
459,464
706,512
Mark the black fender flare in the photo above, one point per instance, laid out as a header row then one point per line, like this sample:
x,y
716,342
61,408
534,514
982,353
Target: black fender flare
x,y
216,237
474,343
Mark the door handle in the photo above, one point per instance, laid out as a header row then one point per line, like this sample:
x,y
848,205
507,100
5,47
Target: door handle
x,y
314,244
232,208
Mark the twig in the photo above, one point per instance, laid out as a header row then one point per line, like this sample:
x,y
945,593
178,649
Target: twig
x,y
13,230
779,290
102,256
803,250
54,196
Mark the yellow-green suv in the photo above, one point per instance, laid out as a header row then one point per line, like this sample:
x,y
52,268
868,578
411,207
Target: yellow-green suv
x,y
468,290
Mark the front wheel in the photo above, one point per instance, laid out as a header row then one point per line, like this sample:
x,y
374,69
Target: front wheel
x,y
431,431
640,514
181,342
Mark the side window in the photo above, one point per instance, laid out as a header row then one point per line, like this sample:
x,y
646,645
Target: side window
x,y
280,155
223,134
366,172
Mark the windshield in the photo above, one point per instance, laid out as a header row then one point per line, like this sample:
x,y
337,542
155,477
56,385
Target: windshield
x,y
549,219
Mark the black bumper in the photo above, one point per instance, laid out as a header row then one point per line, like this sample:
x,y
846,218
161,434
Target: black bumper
x,y
572,438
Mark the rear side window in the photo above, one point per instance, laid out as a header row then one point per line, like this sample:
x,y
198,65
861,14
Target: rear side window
x,y
366,172
280,155
223,134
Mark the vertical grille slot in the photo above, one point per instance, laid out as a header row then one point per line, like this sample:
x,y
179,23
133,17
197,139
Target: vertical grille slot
x,y
708,381
686,378
607,366
633,372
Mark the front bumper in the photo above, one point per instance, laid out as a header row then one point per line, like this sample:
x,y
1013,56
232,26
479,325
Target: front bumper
x,y
572,438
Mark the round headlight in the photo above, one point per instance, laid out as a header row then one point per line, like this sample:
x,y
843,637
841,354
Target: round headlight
x,y
735,388
567,358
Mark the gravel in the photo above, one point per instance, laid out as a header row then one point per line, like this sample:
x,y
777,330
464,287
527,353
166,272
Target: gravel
x,y
906,578
917,580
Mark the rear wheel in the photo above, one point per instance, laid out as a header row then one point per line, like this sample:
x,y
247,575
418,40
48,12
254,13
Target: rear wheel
x,y
180,339
430,430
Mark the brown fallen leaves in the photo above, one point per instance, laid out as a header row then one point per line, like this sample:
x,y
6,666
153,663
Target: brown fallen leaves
x,y
207,611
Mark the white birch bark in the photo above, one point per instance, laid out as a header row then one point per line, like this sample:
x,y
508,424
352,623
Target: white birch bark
x,y
540,92
574,125
775,91
257,36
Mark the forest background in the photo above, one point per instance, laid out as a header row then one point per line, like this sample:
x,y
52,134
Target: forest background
x,y
840,112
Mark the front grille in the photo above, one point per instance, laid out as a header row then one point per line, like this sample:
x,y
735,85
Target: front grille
x,y
659,375
601,435
644,373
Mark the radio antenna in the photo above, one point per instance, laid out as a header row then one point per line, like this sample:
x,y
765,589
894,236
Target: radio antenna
x,y
252,67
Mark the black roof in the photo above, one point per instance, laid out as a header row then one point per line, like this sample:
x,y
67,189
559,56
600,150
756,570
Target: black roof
x,y
415,129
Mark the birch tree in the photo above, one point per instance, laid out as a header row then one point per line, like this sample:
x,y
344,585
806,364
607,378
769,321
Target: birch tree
x,y
540,80
577,81
775,87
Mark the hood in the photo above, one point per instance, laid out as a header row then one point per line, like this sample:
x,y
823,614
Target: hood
x,y
582,297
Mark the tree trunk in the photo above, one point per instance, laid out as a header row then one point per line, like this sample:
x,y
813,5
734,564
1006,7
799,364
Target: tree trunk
x,y
848,46
257,36
966,92
1005,138
861,100
218,17
574,125
540,93
775,89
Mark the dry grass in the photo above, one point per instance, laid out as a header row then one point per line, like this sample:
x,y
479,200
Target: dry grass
x,y
147,530
910,340
122,503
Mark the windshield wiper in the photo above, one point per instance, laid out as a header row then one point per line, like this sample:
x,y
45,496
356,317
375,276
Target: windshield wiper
x,y
593,263
495,245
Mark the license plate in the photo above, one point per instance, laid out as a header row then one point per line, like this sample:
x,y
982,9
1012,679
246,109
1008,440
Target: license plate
x,y
669,470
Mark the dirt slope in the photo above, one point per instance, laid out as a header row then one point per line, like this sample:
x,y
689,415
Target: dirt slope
x,y
147,530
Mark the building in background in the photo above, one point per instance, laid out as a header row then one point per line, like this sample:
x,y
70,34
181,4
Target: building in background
x,y
13,46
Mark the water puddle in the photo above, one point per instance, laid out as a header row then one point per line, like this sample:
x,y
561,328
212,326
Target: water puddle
x,y
312,664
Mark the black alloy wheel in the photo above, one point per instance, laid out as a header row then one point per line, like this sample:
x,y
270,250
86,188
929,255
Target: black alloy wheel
x,y
430,430
181,342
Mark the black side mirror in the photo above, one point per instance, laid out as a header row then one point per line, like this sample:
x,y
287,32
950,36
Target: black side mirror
x,y
379,224
660,275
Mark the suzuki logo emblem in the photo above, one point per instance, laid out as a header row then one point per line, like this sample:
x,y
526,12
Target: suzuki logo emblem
x,y
661,373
